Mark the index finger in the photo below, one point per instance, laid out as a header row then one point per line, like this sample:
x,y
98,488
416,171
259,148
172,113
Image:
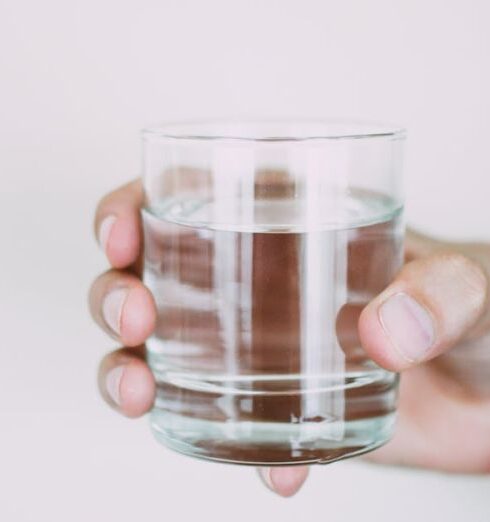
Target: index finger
x,y
117,224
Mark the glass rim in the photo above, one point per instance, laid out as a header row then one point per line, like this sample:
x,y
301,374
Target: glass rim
x,y
195,130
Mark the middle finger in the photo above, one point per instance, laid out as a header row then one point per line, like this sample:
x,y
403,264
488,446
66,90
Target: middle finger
x,y
123,307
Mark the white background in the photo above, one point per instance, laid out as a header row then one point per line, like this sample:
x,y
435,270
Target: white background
x,y
78,79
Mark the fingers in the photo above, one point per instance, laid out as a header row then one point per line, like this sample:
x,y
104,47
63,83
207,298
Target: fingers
x,y
126,383
285,481
433,303
123,307
118,224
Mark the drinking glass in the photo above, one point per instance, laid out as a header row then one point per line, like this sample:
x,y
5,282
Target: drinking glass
x,y
264,240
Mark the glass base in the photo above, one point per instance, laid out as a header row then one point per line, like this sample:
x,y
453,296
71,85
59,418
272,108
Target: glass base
x,y
270,443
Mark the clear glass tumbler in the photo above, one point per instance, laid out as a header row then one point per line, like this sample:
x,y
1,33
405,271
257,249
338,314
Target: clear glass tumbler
x,y
263,242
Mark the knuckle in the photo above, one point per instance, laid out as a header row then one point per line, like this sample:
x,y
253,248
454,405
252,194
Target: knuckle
x,y
103,203
471,274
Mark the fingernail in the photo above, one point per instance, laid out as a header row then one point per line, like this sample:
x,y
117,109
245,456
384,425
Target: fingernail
x,y
408,325
112,308
113,383
265,475
105,229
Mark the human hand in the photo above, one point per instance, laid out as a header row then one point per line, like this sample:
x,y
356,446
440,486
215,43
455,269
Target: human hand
x,y
444,410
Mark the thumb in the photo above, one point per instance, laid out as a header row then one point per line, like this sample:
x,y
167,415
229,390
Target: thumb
x,y
432,304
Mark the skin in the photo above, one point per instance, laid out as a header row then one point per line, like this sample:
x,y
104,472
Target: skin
x,y
444,407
